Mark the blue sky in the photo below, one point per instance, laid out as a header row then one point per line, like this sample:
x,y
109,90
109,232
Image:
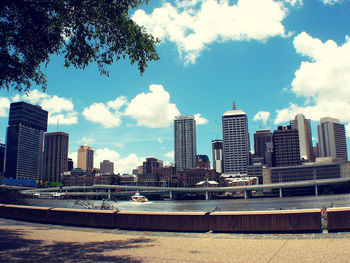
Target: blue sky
x,y
273,58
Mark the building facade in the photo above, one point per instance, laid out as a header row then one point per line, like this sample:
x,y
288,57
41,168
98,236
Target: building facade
x,y
236,144
286,146
55,156
218,158
185,142
25,141
2,158
261,137
332,139
203,161
107,167
86,158
305,137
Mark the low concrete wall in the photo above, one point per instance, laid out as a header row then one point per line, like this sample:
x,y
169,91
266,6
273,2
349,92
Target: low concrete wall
x,y
338,219
164,221
82,217
287,221
26,213
294,221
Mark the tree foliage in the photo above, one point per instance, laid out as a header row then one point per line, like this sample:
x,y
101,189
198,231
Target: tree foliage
x,y
84,31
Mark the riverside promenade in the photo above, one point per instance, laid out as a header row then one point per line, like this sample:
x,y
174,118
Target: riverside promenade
x,y
32,242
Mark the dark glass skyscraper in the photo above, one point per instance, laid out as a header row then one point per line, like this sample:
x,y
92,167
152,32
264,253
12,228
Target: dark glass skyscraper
x,y
25,140
55,155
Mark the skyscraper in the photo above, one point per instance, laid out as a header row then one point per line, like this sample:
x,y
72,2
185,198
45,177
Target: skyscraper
x,y
2,158
107,167
85,158
217,155
260,139
185,142
55,155
286,146
305,138
331,139
24,141
236,144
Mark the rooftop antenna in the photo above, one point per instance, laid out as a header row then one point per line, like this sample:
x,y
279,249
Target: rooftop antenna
x,y
234,105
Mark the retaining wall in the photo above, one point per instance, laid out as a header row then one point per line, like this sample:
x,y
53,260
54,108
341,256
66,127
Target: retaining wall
x,y
338,219
288,221
238,222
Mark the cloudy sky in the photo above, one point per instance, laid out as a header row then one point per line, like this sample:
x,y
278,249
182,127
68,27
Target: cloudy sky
x,y
274,58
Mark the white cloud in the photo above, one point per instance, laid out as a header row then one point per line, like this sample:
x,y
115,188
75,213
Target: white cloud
x,y
86,140
59,108
108,115
170,155
159,140
121,165
4,107
199,119
193,25
262,116
323,80
152,109
332,2
347,130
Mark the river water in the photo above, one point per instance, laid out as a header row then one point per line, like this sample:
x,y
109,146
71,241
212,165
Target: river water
x,y
254,204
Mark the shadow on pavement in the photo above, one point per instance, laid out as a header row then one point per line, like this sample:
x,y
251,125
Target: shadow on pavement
x,y
15,248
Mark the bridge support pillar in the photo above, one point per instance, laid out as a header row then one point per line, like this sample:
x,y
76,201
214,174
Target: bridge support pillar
x,y
109,193
316,190
245,194
206,196
281,193
170,195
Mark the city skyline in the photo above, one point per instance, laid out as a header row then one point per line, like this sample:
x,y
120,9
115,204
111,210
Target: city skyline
x,y
264,62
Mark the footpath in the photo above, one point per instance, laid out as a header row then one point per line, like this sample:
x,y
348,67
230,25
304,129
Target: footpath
x,y
31,242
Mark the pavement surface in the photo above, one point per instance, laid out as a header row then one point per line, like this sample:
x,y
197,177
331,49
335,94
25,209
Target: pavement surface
x,y
31,242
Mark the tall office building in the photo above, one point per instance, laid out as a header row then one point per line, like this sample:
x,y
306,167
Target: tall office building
x,y
203,161
305,138
185,142
2,158
218,162
55,155
261,137
85,158
286,146
107,167
25,140
236,144
331,139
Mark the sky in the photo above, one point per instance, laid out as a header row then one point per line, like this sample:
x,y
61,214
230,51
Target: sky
x,y
273,58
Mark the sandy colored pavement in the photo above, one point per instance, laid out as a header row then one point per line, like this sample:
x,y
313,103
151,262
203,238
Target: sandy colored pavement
x,y
30,242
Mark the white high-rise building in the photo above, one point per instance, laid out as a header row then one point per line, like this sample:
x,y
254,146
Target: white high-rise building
x,y
217,156
236,144
305,138
331,139
185,142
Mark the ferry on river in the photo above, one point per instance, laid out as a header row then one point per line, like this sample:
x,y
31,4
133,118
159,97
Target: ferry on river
x,y
138,198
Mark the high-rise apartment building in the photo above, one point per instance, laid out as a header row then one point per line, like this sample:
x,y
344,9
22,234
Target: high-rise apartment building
x,y
185,142
286,146
261,137
305,138
107,167
331,139
236,144
55,155
85,158
150,164
217,149
25,140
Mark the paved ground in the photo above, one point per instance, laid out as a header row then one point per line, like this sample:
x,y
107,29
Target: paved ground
x,y
30,242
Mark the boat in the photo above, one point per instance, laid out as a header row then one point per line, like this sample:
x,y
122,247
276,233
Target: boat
x,y
138,198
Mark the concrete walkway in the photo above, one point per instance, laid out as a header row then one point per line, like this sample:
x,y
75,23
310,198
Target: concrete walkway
x,y
30,242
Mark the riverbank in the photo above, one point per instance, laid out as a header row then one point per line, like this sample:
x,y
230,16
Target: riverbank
x,y
29,242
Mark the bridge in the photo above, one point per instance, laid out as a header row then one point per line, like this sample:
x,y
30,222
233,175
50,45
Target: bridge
x,y
110,191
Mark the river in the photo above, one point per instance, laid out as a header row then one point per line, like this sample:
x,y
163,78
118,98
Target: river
x,y
254,204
